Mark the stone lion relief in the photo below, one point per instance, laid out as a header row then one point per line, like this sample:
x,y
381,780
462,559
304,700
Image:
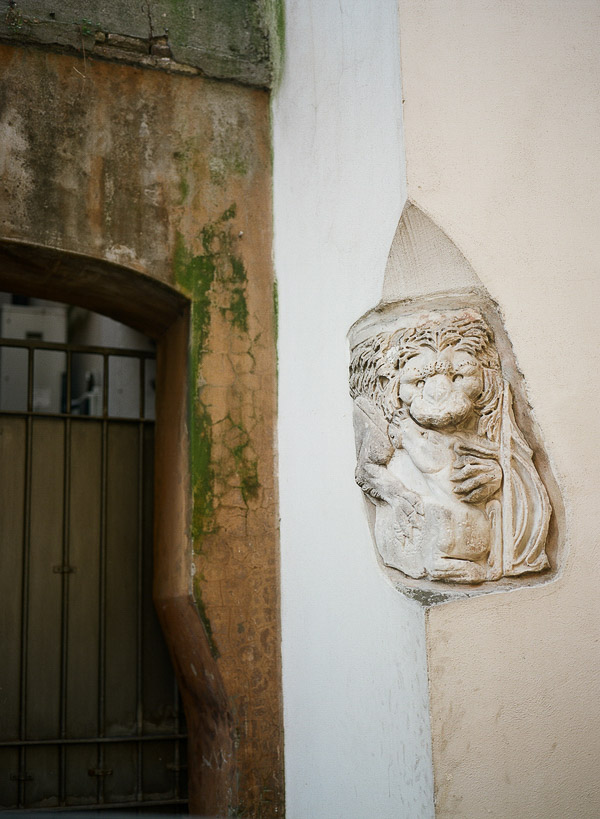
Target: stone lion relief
x,y
456,494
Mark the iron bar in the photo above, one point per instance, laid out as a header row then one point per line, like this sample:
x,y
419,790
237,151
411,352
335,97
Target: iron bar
x,y
38,344
64,641
25,579
127,419
30,359
109,806
177,760
102,580
142,405
140,584
94,740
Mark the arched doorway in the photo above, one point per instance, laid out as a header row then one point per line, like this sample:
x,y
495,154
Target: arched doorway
x,y
88,697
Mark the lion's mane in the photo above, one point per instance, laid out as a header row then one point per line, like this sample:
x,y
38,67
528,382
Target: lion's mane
x,y
377,361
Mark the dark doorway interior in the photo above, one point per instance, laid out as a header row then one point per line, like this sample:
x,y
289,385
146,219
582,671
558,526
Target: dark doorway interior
x,y
90,714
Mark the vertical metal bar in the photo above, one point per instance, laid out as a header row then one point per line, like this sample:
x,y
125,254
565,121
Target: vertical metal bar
x,y
25,581
102,583
64,638
140,585
30,364
142,387
178,742
177,760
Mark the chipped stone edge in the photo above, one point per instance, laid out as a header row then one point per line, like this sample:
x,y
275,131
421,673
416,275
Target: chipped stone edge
x,y
154,53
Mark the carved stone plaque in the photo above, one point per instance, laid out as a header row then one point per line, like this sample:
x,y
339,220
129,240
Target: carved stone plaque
x,y
449,457
439,453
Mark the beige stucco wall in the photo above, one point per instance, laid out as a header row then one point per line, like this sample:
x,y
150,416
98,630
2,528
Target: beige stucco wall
x,y
502,129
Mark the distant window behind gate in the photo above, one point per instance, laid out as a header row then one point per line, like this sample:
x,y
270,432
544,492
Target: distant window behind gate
x,y
90,715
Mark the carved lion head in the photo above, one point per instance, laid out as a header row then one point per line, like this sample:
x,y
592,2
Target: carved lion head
x,y
443,369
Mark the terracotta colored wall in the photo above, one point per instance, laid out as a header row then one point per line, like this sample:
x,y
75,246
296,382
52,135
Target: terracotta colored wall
x,y
169,176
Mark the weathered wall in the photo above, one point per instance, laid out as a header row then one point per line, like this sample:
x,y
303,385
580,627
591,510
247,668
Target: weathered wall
x,y
502,124
169,176
355,682
116,162
236,40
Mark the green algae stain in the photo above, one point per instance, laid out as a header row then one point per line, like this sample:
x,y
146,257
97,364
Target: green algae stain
x,y
203,476
247,469
226,162
246,465
277,40
215,279
239,309
189,269
196,274
183,166
215,270
201,608
237,304
238,273
276,322
229,213
184,190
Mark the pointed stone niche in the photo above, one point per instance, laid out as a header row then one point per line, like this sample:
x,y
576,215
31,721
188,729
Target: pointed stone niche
x,y
459,493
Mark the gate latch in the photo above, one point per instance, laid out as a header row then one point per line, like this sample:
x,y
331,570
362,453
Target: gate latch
x,y
100,771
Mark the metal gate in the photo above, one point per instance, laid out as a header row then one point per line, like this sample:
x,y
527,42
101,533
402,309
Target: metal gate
x,y
90,715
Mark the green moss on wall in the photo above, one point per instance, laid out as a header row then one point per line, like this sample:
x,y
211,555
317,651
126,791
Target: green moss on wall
x,y
215,279
196,275
184,190
274,14
276,312
201,608
246,464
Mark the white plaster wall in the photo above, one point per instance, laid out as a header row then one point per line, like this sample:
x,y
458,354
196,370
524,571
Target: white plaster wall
x,y
357,736
502,125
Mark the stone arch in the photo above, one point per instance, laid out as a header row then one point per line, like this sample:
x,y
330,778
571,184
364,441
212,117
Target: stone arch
x,y
126,295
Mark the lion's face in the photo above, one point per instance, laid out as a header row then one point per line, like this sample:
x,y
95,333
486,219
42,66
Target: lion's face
x,y
439,388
